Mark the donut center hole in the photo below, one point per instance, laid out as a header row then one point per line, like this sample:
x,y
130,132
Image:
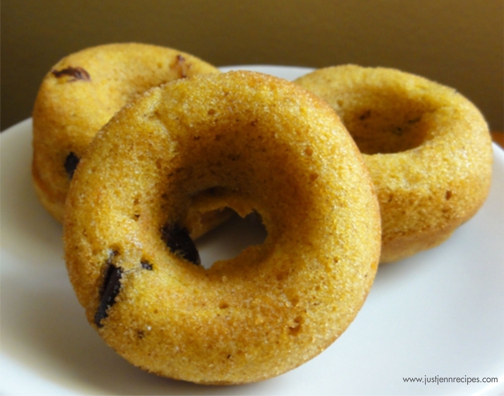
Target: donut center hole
x,y
231,238
385,130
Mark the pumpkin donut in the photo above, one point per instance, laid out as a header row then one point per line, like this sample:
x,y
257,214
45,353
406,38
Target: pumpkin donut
x,y
81,93
426,146
242,140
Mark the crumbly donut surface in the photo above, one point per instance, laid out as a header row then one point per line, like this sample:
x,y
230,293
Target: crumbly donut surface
x,y
81,93
426,146
242,140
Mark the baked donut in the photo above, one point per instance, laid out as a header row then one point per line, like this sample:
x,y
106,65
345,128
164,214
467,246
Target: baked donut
x,y
241,140
81,93
427,147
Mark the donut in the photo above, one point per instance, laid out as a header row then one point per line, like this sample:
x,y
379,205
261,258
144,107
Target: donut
x,y
241,140
81,93
427,147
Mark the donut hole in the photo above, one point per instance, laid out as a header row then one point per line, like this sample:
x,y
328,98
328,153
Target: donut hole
x,y
229,239
385,124
386,131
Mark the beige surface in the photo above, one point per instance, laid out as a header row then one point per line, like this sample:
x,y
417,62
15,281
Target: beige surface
x,y
455,42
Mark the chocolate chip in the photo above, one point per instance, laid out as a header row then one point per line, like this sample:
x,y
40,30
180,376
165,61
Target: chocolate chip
x,y
110,290
365,115
71,163
77,73
398,131
178,240
146,265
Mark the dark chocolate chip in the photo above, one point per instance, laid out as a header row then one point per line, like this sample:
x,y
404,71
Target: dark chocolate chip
x,y
398,131
146,265
109,292
177,238
71,163
77,73
365,115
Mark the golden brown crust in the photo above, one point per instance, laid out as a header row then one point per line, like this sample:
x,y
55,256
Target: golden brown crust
x,y
242,140
81,93
427,148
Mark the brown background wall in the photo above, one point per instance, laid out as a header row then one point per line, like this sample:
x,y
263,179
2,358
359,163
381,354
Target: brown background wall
x,y
456,42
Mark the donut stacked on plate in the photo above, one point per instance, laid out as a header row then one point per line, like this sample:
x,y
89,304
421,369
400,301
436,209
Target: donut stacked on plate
x,y
81,93
163,160
427,147
249,142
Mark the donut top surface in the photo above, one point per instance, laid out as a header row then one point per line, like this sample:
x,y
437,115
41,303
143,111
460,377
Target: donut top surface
x,y
242,140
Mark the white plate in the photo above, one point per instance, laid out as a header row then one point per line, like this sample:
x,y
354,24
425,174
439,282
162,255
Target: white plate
x,y
439,313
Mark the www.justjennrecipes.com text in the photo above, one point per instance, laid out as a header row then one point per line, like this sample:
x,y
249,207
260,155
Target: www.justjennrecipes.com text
x,y
438,380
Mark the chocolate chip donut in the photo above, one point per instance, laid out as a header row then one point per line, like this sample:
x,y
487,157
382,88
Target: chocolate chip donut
x,y
240,140
426,146
81,93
